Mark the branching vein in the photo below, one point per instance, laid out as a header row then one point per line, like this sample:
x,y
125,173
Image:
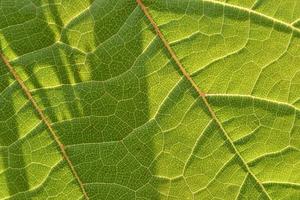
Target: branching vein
x,y
201,94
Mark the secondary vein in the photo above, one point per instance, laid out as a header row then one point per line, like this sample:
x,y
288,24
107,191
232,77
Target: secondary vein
x,y
198,90
255,13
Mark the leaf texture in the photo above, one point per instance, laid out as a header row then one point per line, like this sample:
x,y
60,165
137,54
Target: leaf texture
x,y
152,99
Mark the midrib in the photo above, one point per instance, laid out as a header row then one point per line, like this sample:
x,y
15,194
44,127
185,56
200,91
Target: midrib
x,y
199,91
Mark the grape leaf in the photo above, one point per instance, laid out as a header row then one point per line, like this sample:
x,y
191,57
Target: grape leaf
x,y
149,99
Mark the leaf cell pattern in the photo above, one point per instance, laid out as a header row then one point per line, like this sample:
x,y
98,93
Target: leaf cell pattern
x,y
152,99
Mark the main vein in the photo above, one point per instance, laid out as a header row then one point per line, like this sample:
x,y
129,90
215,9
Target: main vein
x,y
198,90
45,120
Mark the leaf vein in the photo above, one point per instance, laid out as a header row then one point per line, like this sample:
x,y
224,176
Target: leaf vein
x,y
201,94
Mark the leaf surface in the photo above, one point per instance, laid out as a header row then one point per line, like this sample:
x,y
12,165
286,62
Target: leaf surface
x,y
154,99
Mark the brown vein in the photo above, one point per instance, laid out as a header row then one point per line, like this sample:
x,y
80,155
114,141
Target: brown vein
x,y
197,88
45,120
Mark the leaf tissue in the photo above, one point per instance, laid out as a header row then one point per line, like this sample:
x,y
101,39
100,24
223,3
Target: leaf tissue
x,y
149,99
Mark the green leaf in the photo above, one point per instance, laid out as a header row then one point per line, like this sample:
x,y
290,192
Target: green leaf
x,y
152,99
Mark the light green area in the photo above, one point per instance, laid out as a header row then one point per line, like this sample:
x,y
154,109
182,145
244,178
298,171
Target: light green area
x,y
132,124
